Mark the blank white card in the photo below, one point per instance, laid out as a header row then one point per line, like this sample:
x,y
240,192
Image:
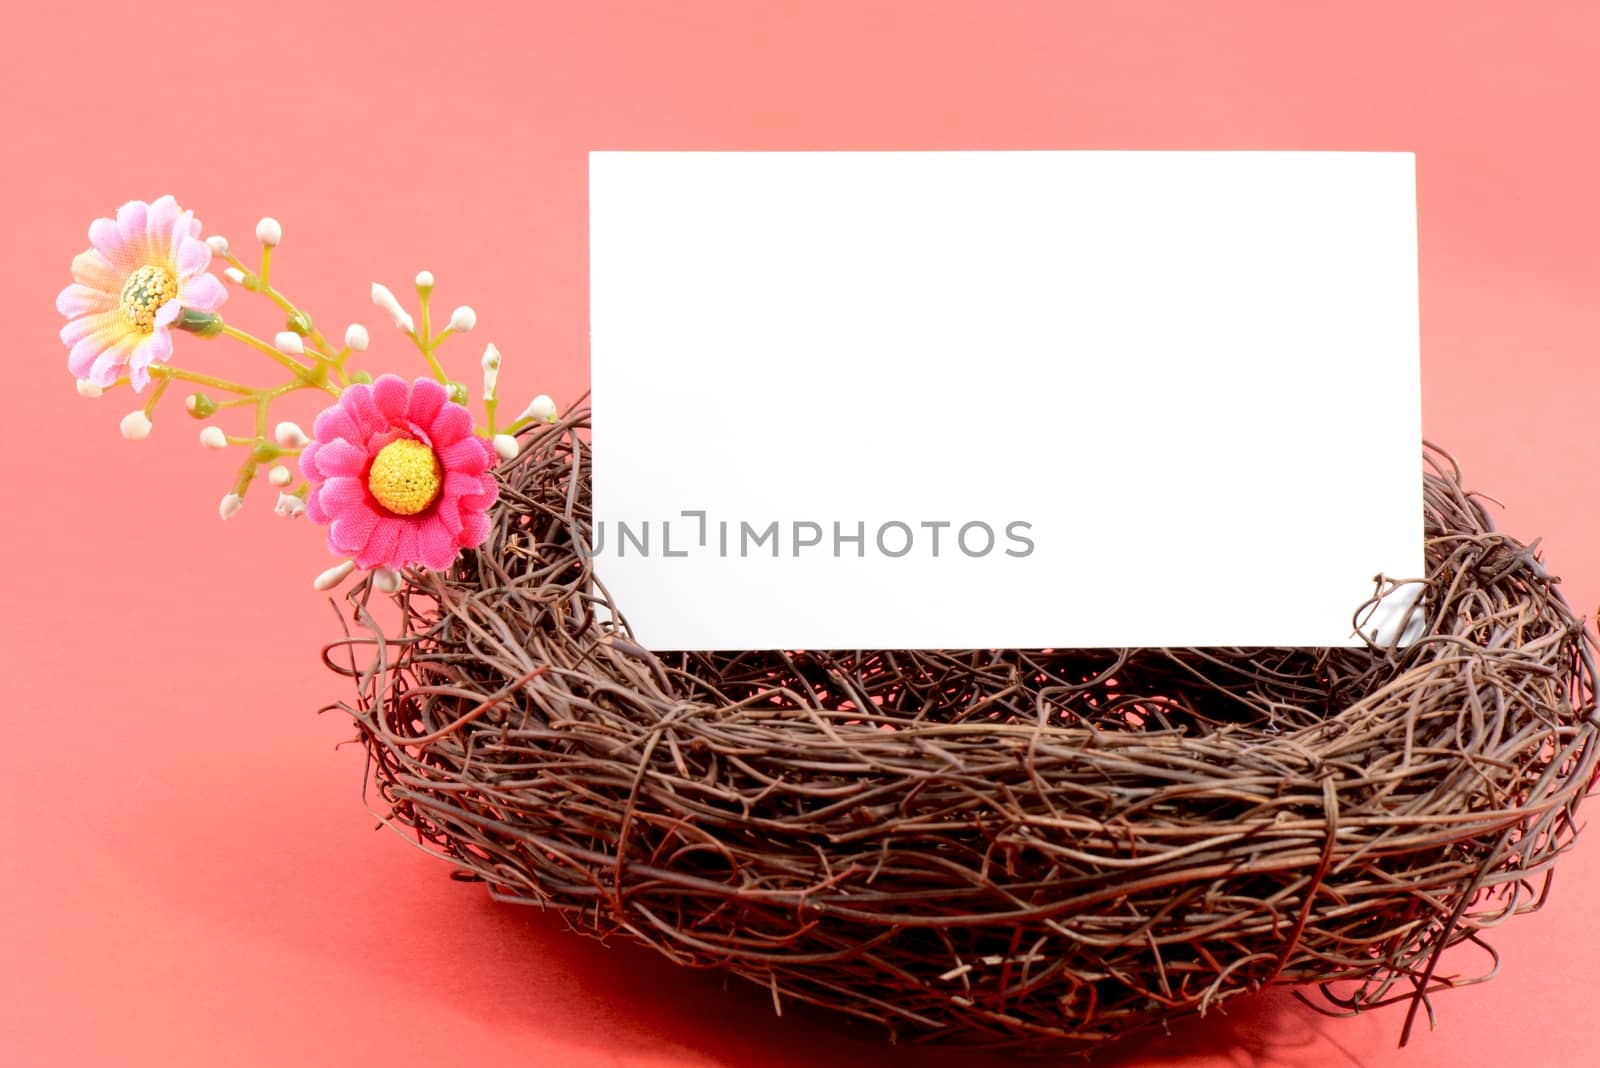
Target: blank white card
x,y
1003,399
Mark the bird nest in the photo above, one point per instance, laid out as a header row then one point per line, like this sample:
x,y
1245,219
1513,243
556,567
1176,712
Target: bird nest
x,y
996,846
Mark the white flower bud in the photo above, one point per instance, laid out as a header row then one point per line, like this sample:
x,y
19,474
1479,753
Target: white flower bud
x,y
234,275
385,579
424,279
288,342
289,505
385,300
230,505
280,475
212,437
218,243
506,447
463,319
491,370
333,576
541,409
268,232
135,426
355,336
290,436
87,388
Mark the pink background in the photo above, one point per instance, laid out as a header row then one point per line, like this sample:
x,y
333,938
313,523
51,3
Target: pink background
x,y
191,877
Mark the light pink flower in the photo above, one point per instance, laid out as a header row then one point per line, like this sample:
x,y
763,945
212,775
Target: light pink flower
x,y
144,267
399,476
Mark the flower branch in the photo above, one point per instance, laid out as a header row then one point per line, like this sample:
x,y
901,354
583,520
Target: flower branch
x,y
396,471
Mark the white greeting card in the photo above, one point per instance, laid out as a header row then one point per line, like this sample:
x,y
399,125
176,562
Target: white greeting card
x,y
1003,399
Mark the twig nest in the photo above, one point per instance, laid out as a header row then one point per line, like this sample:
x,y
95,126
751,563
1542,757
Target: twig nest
x,y
992,846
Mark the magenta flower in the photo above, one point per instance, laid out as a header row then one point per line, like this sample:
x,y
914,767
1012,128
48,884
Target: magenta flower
x,y
145,267
399,476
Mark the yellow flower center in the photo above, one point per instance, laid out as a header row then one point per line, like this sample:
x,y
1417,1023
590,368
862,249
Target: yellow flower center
x,y
143,294
404,476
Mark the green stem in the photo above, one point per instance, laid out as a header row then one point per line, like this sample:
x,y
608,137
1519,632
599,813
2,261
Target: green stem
x,y
155,394
306,374
204,380
290,308
247,473
433,364
324,365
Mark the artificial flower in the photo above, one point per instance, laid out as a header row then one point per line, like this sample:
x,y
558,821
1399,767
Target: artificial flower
x,y
398,475
142,270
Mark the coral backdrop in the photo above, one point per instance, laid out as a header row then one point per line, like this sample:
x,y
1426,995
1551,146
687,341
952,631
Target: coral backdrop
x,y
190,875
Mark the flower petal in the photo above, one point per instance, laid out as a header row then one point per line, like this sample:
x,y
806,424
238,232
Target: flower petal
x,y
334,422
107,240
449,509
112,361
489,491
202,292
379,551
191,256
314,510
464,456
85,351
391,394
358,404
160,224
448,512
435,545
340,457
168,313
131,220
474,530
405,549
342,494
351,529
78,299
91,268
427,397
451,425
154,347
104,324
309,466
174,236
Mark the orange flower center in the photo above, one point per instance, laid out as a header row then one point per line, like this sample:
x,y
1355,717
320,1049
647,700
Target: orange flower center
x,y
143,294
405,476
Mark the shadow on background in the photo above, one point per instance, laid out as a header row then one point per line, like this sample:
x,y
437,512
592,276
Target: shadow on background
x,y
731,1021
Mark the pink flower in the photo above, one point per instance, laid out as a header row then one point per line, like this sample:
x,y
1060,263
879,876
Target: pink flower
x,y
144,268
399,476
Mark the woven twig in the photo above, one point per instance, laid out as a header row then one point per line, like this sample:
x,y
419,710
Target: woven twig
x,y
988,846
